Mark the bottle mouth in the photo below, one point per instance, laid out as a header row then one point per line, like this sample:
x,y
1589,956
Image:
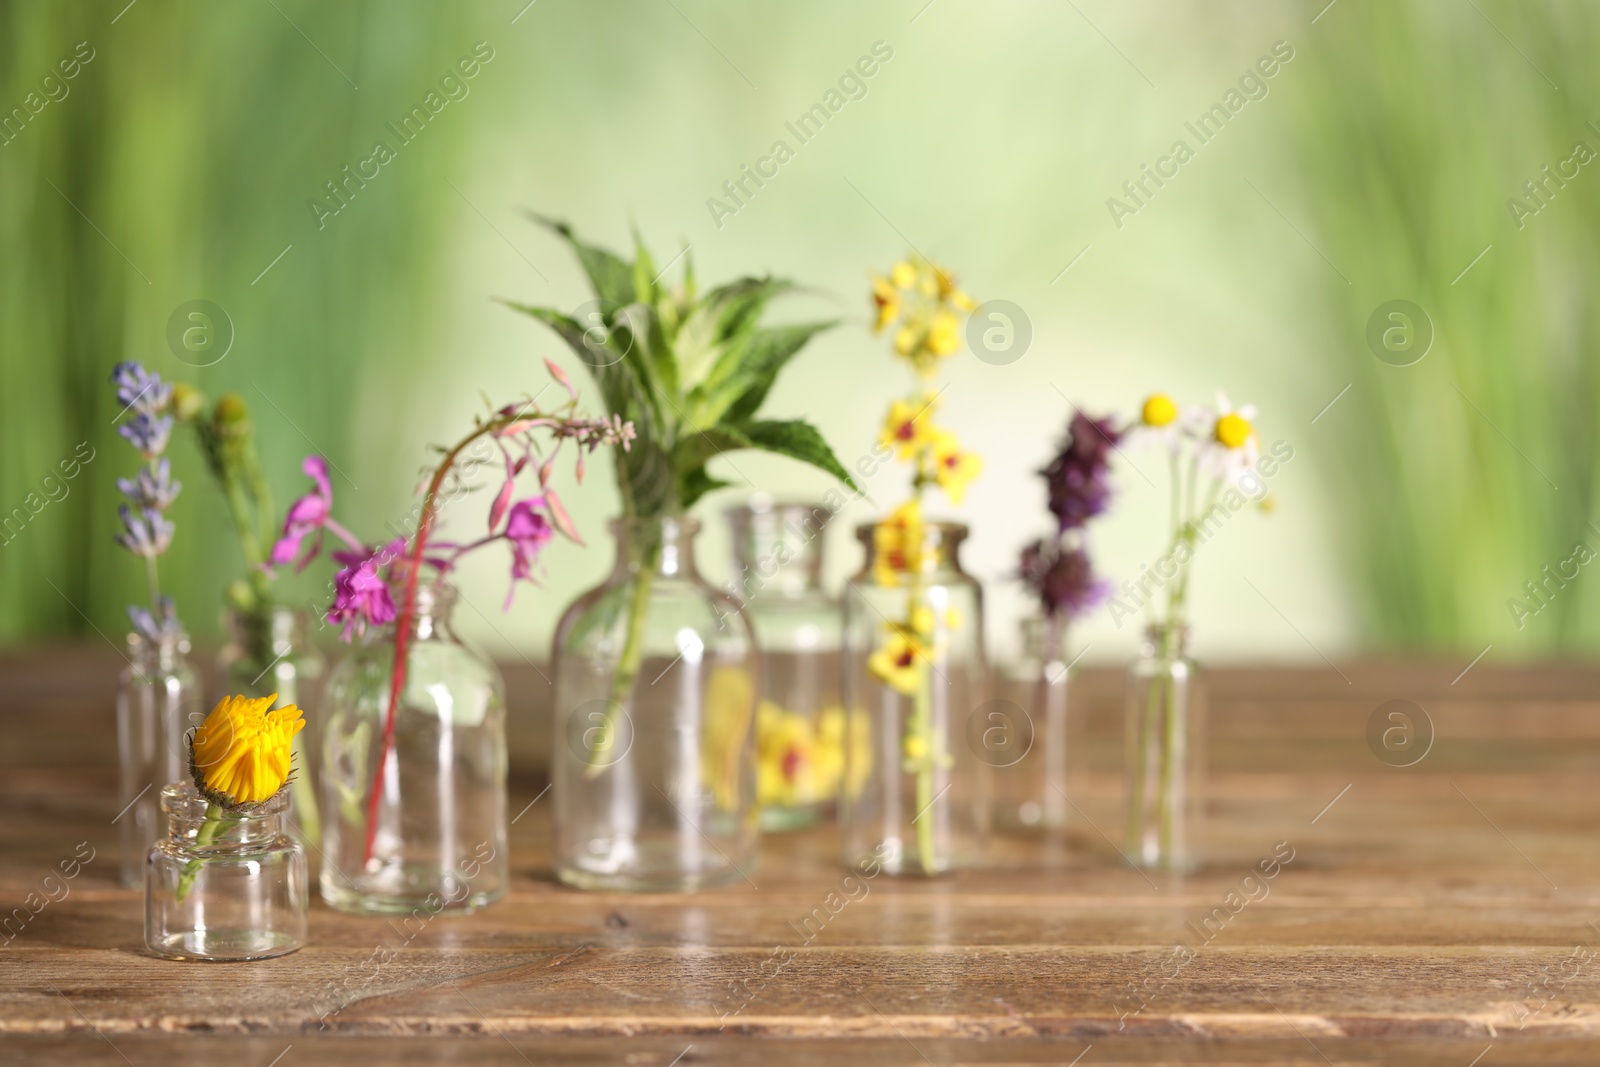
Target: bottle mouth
x,y
185,809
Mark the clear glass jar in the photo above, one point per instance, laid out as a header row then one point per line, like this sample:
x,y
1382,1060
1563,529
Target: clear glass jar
x,y
438,841
224,886
269,652
777,558
654,760
1165,758
158,700
1030,737
914,688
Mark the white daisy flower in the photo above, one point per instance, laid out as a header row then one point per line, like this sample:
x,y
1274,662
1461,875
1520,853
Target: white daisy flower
x,y
1161,424
1231,447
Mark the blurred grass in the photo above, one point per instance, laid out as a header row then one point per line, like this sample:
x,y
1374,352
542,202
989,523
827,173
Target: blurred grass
x,y
1471,470
174,170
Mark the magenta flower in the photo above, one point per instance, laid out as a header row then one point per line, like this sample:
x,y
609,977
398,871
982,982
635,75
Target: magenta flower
x,y
360,596
528,531
311,514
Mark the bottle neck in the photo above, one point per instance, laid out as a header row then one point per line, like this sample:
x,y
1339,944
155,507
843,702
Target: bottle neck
x,y
162,656
777,548
1044,639
663,546
432,604
277,629
188,818
896,548
1166,642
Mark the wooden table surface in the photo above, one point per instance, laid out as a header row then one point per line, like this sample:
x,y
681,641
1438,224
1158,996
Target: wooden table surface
x,y
1445,913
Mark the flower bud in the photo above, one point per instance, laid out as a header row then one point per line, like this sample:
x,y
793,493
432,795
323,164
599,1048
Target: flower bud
x,y
187,401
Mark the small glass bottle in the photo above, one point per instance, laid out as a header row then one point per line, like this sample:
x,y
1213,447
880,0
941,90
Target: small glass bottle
x,y
914,687
654,761
158,701
271,651
1031,737
777,554
1165,761
439,839
224,886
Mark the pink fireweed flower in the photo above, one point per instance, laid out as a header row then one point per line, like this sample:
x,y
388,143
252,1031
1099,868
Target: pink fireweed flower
x,y
527,531
360,595
311,514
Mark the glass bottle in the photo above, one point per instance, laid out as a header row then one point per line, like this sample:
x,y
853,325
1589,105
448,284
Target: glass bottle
x,y
438,842
158,701
1030,737
1164,754
654,760
914,688
777,552
224,886
271,651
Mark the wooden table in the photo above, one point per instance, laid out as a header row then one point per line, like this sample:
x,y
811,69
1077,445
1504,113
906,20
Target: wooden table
x,y
1430,914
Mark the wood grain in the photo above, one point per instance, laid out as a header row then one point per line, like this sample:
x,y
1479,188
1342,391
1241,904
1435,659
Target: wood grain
x,y
1429,914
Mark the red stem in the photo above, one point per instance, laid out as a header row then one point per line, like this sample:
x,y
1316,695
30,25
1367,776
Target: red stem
x,y
403,624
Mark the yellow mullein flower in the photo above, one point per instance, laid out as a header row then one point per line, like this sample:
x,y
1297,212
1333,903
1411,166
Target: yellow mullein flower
x,y
899,663
908,428
903,275
954,468
897,544
944,334
241,752
886,299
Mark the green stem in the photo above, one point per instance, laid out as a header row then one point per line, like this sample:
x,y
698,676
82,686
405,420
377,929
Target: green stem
x,y
633,646
922,724
216,818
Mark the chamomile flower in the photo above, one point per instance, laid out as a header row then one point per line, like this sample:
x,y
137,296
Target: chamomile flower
x,y
1232,446
1161,423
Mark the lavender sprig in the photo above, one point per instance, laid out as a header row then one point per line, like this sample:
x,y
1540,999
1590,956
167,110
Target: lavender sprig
x,y
146,530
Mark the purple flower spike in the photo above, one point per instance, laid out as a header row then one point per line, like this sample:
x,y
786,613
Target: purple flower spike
x,y
1064,579
157,626
154,490
145,532
140,389
148,433
1079,478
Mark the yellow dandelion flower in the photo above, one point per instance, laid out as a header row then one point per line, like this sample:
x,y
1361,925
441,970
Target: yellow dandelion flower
x,y
241,753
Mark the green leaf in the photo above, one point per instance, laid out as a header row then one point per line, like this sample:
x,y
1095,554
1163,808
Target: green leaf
x,y
644,270
697,449
800,440
610,276
696,484
737,392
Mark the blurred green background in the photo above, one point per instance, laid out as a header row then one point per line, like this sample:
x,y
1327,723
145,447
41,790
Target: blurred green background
x,y
1375,164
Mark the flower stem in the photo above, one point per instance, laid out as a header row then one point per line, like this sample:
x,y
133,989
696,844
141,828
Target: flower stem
x,y
922,724
632,652
214,822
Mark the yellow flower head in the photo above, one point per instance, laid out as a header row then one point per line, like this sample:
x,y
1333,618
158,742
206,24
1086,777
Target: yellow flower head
x,y
898,664
909,427
954,468
240,754
886,301
922,302
1233,430
1159,410
897,544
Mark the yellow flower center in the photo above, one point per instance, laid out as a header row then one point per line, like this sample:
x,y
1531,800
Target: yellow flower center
x,y
1233,430
1159,410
